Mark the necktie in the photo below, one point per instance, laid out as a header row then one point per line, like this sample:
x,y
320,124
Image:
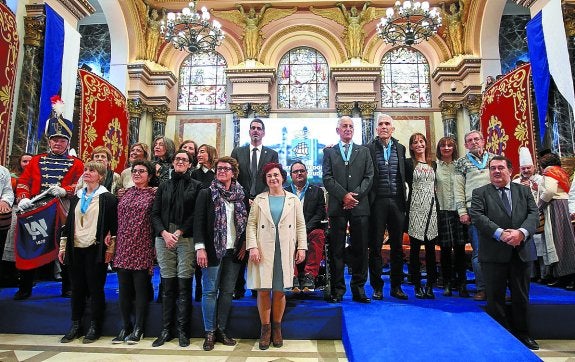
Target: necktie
x,y
505,200
346,148
254,171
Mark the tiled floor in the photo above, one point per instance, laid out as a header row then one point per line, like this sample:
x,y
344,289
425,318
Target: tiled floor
x,y
18,347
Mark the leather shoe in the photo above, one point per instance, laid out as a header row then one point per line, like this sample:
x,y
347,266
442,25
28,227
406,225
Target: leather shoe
x,y
398,293
336,298
209,341
377,295
528,342
224,339
480,296
418,291
463,293
22,294
120,338
361,299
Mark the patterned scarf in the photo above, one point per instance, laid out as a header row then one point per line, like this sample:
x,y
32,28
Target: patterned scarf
x,y
236,196
559,174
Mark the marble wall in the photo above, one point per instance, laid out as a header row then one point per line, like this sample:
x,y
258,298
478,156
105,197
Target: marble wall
x,y
513,41
95,48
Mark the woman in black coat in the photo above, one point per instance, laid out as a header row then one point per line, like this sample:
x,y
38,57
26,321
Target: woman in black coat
x,y
86,249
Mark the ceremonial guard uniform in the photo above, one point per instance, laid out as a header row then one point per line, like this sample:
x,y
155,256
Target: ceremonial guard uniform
x,y
55,171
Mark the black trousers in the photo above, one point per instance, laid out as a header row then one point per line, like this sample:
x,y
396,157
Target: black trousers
x,y
386,213
415,264
358,228
88,278
134,288
448,266
497,276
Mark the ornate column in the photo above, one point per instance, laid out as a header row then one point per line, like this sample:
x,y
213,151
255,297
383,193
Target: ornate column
x,y
344,108
366,110
159,117
473,104
135,108
25,137
449,116
239,110
261,109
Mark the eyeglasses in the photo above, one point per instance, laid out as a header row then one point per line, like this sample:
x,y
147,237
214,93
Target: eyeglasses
x,y
139,170
223,169
182,160
299,171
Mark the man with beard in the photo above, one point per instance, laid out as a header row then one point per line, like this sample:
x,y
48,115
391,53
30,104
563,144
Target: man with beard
x,y
471,172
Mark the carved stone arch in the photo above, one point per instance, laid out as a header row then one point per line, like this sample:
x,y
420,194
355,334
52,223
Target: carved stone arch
x,y
302,35
484,18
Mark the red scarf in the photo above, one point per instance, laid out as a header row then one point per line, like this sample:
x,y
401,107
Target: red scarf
x,y
559,174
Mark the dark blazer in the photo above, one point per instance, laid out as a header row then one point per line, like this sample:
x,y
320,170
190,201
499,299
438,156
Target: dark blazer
x,y
242,155
403,174
107,223
204,219
313,207
163,200
488,213
339,179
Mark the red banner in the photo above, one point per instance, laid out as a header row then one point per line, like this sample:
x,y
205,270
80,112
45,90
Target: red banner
x,y
9,45
103,119
507,115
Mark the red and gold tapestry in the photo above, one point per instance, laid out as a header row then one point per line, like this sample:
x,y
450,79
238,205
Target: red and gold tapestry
x,y
507,117
9,45
103,119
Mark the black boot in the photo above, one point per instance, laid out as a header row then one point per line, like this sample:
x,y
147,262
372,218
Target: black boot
x,y
168,306
447,290
419,293
121,337
183,310
198,291
74,332
429,291
135,336
93,333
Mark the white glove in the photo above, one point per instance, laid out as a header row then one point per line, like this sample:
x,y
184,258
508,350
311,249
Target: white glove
x,y
57,191
25,203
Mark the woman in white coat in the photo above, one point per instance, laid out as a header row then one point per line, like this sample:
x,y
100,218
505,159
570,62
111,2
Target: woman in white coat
x,y
275,238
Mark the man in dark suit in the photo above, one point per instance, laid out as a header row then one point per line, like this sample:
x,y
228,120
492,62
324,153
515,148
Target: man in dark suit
x,y
506,217
388,204
347,177
251,159
314,213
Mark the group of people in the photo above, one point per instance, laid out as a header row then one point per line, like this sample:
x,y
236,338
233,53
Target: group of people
x,y
208,216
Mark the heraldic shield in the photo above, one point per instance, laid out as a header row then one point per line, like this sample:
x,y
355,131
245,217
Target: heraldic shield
x,y
37,234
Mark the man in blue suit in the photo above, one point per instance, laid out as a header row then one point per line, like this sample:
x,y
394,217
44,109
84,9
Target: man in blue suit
x,y
506,217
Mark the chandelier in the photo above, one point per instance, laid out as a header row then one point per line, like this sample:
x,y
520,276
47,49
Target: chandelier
x,y
408,23
191,30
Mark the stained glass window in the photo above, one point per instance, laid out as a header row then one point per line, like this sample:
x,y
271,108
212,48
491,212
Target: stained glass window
x,y
405,79
202,82
303,79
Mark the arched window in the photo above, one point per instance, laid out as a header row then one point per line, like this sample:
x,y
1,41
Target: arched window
x,y
202,82
303,79
405,79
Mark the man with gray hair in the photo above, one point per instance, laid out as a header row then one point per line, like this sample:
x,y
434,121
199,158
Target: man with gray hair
x,y
471,172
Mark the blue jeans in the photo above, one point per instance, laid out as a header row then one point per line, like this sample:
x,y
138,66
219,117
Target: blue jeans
x,y
178,262
474,239
218,284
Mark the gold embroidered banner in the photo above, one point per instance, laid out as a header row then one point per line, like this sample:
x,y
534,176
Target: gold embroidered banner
x,y
507,115
9,45
103,119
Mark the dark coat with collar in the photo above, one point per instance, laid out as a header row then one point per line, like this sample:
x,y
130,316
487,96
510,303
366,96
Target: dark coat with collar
x,y
204,220
242,155
339,179
107,223
488,213
403,173
313,207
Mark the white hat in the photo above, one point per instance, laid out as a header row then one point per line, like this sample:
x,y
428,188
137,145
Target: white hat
x,y
525,158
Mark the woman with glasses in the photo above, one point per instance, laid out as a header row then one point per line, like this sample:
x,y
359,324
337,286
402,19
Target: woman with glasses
x,y
138,151
172,219
275,237
219,225
134,258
